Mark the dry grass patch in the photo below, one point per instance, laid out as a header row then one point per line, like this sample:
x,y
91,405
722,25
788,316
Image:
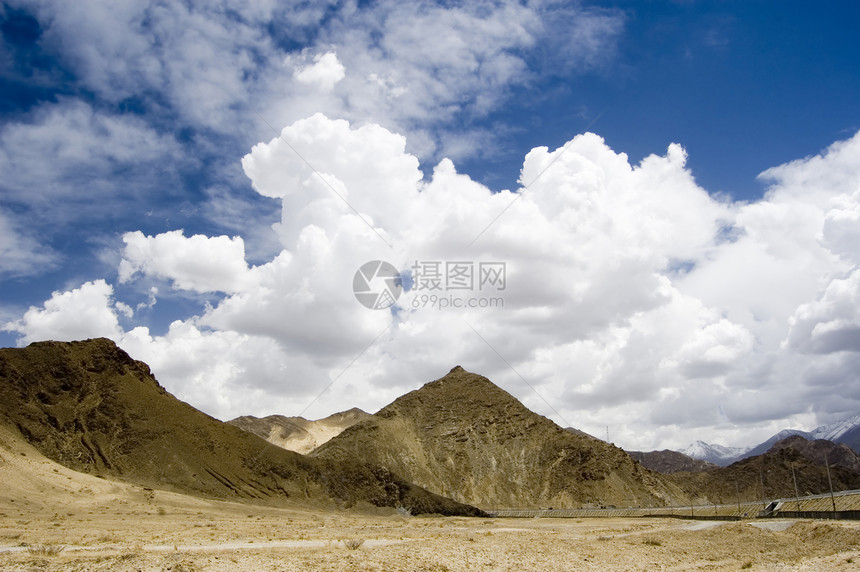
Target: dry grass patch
x,y
353,543
45,549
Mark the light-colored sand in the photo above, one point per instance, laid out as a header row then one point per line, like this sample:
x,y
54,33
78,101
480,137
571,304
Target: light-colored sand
x,y
776,525
105,525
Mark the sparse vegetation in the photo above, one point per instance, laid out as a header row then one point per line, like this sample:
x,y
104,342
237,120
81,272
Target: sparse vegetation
x,y
747,565
45,549
651,541
353,543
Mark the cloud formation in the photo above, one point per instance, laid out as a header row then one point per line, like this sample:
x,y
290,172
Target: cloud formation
x,y
633,297
631,292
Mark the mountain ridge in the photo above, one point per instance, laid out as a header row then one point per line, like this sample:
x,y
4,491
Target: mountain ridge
x,y
92,408
297,433
773,474
463,436
845,431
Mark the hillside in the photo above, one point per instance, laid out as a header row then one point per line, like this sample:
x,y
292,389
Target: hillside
x,y
668,462
89,406
821,451
772,471
297,433
464,437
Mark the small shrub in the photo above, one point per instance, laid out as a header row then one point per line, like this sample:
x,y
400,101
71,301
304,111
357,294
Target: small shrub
x,y
747,565
353,543
652,542
604,538
45,549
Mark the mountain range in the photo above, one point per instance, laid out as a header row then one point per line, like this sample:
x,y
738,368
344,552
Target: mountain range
x,y
773,474
458,445
91,407
846,431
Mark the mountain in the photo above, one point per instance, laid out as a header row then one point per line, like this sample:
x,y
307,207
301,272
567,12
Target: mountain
x,y
764,447
851,437
716,454
822,451
463,437
845,431
89,406
668,462
297,433
774,471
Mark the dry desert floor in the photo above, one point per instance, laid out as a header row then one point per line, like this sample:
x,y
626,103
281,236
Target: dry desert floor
x,y
52,518
177,533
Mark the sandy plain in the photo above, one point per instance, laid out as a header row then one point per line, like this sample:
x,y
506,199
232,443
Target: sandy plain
x,y
124,529
52,518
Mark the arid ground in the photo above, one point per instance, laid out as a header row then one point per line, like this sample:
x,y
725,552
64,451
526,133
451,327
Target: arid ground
x,y
53,518
115,527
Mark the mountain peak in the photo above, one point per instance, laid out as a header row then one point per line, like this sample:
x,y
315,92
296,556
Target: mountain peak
x,y
459,396
463,436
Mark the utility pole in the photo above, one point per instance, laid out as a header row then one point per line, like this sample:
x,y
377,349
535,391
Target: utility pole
x,y
761,474
830,481
796,494
738,496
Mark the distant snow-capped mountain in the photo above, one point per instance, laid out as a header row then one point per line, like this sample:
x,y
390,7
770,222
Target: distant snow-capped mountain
x,y
716,454
836,431
845,431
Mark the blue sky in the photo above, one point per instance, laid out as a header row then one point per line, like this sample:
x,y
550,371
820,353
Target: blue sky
x,y
746,84
121,126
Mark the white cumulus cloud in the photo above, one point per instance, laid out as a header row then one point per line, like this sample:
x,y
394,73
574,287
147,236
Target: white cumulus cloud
x,y
198,263
632,297
79,313
323,73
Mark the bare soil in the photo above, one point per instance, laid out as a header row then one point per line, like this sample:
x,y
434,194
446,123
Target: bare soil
x,y
119,527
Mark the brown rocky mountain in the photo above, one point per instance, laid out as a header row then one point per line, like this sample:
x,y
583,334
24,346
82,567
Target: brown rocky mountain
x,y
820,451
768,476
89,406
462,436
297,433
668,462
